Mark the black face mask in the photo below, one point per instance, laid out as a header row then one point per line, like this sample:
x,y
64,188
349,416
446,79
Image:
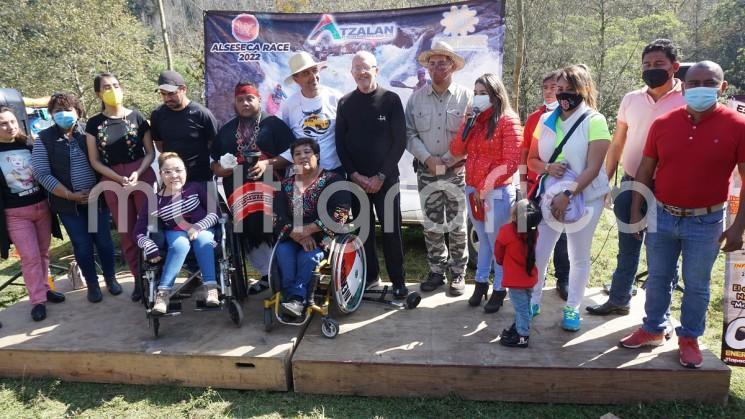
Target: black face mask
x,y
655,77
569,101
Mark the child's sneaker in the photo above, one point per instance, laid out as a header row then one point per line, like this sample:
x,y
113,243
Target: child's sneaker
x,y
511,331
571,320
161,302
535,310
514,340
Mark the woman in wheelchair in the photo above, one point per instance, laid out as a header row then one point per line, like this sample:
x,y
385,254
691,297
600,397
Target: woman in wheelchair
x,y
186,223
300,248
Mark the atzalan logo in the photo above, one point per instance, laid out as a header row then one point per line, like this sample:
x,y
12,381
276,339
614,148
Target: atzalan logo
x,y
327,27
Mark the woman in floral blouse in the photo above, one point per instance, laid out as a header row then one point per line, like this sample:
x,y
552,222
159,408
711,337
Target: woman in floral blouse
x,y
121,150
301,246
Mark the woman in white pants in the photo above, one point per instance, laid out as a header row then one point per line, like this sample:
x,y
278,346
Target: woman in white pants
x,y
582,156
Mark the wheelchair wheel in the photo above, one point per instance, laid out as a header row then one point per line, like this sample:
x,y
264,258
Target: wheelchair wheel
x,y
349,272
412,300
235,248
275,282
235,311
329,327
268,319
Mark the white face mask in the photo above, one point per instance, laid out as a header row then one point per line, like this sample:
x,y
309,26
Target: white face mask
x,y
480,103
551,106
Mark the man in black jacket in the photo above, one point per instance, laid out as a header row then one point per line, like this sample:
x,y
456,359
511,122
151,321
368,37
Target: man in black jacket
x,y
370,140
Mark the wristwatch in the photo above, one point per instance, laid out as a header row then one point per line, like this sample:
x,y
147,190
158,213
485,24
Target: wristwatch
x,y
568,193
381,176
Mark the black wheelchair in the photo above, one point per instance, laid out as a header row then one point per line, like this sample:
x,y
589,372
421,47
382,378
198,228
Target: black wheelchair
x,y
230,275
339,278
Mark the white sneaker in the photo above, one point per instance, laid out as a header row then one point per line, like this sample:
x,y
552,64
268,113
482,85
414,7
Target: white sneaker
x,y
294,307
161,302
212,299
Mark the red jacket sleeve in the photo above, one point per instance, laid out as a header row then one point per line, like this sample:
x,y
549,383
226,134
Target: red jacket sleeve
x,y
509,134
457,145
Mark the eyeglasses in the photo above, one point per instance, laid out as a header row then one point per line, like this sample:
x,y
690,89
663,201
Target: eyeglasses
x,y
440,65
172,172
361,69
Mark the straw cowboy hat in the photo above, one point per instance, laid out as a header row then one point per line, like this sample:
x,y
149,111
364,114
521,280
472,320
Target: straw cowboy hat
x,y
302,61
442,48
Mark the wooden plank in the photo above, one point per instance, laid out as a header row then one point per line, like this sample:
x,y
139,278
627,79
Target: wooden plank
x,y
445,347
112,342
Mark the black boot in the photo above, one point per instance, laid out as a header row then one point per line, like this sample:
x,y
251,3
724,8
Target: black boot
x,y
113,286
480,291
94,293
495,302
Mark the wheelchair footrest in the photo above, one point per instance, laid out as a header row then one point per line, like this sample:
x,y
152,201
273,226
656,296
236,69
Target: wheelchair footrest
x,y
201,305
174,306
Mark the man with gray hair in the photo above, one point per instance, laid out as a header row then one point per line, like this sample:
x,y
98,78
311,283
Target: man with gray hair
x,y
370,140
691,151
434,114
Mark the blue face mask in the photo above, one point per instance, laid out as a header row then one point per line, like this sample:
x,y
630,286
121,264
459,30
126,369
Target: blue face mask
x,y
65,119
701,98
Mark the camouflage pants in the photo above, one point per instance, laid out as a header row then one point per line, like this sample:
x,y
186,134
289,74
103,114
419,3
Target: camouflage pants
x,y
443,203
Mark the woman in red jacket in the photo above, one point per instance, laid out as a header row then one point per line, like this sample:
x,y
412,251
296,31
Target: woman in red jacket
x,y
492,147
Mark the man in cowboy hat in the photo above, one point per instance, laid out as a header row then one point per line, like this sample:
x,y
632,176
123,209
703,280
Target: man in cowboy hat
x,y
311,112
433,115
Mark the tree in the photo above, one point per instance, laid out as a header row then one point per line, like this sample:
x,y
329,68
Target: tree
x,y
57,45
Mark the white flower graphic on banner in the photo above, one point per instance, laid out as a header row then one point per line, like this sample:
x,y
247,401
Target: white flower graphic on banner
x,y
459,21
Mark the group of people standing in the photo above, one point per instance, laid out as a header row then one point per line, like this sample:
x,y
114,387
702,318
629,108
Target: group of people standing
x,y
671,136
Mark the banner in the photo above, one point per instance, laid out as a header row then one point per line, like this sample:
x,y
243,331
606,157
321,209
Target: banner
x,y
733,336
256,47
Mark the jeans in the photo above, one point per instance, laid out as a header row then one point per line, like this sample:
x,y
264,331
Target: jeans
x,y
520,298
296,268
696,239
83,241
178,248
30,229
579,245
629,250
497,207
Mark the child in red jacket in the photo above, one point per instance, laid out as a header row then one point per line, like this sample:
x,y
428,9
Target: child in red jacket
x,y
514,249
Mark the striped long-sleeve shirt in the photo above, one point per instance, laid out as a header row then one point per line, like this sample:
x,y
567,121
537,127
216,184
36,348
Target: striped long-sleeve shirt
x,y
81,173
190,209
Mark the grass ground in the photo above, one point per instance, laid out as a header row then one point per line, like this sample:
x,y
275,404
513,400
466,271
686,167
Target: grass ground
x,y
53,398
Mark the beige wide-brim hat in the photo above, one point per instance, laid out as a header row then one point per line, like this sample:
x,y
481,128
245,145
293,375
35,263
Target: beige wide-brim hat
x,y
302,61
442,48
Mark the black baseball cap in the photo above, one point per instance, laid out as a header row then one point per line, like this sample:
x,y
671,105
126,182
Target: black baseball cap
x,y
170,81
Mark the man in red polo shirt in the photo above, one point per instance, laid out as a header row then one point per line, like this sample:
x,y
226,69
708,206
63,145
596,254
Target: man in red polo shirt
x,y
693,151
561,257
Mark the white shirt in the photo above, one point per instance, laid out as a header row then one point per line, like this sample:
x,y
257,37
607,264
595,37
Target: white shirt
x,y
314,118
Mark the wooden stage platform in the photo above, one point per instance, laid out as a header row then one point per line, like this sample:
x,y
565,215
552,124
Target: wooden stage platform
x,y
447,347
443,347
111,342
